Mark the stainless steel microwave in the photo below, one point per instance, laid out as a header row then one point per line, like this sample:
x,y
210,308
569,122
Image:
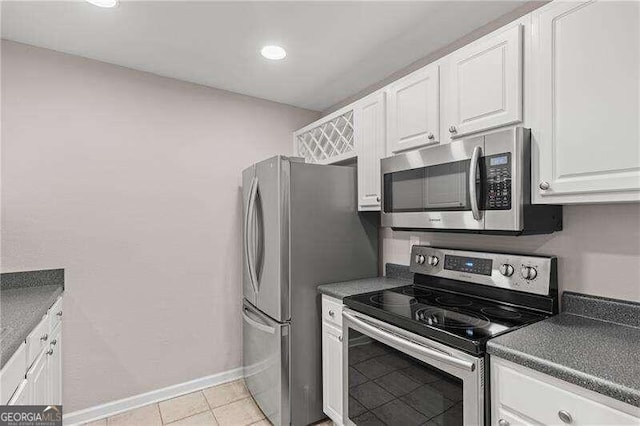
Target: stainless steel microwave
x,y
479,184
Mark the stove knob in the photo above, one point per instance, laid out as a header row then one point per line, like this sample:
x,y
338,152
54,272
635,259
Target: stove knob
x,y
528,272
433,260
419,259
506,269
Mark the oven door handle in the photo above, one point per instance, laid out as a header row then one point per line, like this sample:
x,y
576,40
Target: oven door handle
x,y
473,193
379,333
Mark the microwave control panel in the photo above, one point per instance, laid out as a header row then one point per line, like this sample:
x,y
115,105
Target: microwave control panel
x,y
498,182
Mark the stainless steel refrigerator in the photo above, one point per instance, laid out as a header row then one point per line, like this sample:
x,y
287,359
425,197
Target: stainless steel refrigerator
x,y
301,229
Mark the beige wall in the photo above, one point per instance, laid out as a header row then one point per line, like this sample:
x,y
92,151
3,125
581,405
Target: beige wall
x,y
598,250
130,182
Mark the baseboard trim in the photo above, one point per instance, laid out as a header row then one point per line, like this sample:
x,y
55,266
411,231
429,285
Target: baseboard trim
x,y
115,407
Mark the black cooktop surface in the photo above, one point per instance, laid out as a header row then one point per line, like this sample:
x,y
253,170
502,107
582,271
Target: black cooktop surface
x,y
464,322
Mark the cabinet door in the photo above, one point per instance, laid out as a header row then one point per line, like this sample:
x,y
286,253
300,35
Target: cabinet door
x,y
486,83
12,374
21,397
586,58
332,372
413,110
38,378
55,369
369,123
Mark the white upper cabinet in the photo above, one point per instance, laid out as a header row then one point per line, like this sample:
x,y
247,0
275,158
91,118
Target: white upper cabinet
x,y
369,133
586,86
485,83
413,110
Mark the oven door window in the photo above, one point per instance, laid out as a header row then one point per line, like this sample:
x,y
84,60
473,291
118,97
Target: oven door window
x,y
388,387
443,187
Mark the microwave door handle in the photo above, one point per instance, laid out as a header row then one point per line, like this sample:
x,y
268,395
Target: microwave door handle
x,y
381,334
473,193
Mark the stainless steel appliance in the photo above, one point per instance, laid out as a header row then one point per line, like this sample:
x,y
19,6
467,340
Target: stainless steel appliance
x,y
416,354
301,229
480,184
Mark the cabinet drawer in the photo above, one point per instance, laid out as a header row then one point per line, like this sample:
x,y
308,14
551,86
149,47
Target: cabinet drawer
x,y
38,340
332,310
548,404
55,314
506,417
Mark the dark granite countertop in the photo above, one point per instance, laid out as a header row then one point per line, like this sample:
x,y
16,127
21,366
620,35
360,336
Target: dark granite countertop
x,y
599,355
397,276
24,300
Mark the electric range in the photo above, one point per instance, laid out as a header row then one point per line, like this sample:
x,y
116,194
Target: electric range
x,y
464,322
418,351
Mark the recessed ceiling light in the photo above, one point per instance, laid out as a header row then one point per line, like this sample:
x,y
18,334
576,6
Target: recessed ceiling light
x,y
104,3
273,52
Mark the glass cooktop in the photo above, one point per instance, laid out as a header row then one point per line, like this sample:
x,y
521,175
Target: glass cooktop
x,y
461,321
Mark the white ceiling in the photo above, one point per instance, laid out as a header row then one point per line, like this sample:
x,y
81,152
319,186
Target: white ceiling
x,y
334,49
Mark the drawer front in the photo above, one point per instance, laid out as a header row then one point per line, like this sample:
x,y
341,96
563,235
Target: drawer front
x,y
55,314
507,418
332,310
38,340
12,374
552,405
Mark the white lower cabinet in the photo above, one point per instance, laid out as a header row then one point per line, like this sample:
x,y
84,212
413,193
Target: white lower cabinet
x,y
521,396
33,375
38,380
21,396
586,85
332,360
12,373
55,368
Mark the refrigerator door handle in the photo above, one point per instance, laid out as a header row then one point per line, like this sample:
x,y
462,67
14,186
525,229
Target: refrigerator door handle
x,y
255,322
248,235
258,261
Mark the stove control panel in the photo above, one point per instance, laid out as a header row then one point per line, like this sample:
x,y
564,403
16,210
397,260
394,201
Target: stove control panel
x,y
526,273
472,265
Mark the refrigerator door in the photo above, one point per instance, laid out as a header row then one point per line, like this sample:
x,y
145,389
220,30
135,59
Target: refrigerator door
x,y
266,363
266,243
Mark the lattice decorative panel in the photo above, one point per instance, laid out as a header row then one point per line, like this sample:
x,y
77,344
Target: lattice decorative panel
x,y
331,139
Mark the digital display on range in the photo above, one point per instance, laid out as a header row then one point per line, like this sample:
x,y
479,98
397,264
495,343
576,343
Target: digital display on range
x,y
473,265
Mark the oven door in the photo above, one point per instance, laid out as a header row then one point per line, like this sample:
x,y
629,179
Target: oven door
x,y
394,377
437,187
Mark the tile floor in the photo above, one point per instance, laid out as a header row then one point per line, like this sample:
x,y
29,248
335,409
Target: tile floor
x,y
227,404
